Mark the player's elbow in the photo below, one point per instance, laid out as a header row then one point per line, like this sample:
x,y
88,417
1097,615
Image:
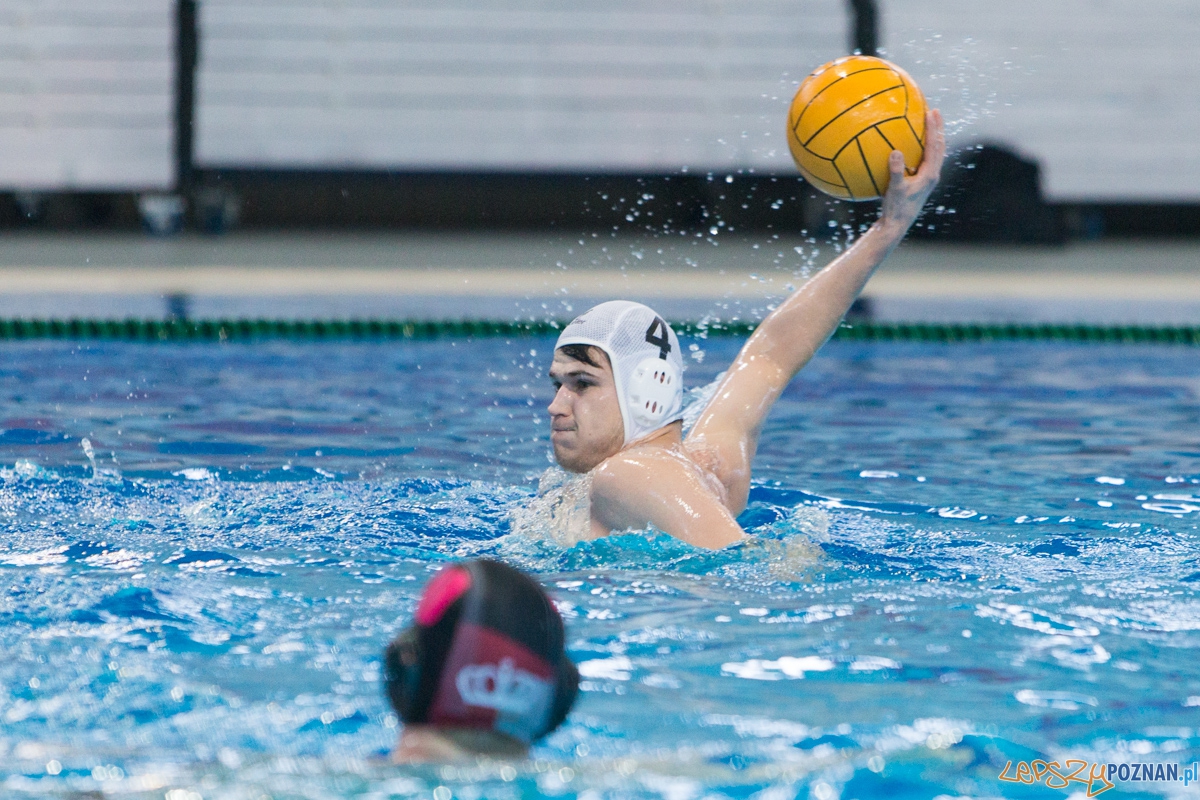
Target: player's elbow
x,y
717,537
703,525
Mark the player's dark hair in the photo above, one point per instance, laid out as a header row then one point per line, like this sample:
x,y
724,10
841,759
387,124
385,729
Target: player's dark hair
x,y
585,353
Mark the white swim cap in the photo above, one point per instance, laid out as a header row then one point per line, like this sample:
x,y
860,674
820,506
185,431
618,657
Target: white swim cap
x,y
647,365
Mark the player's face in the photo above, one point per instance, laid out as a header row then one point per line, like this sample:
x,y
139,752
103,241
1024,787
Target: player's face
x,y
585,417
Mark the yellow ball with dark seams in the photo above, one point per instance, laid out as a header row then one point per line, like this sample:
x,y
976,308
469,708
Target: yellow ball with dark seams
x,y
847,118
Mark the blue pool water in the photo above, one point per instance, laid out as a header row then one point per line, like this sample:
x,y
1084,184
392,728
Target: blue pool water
x,y
964,555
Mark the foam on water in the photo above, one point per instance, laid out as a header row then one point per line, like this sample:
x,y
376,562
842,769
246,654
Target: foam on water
x,y
934,586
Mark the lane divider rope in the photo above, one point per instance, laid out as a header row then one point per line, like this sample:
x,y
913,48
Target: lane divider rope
x,y
243,330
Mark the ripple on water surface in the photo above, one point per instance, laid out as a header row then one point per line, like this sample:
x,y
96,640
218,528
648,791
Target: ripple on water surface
x,y
962,555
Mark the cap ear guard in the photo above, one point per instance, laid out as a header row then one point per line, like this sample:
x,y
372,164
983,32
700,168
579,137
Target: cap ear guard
x,y
653,392
413,664
402,676
564,694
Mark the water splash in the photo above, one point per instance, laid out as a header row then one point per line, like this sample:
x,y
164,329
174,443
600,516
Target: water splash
x,y
89,453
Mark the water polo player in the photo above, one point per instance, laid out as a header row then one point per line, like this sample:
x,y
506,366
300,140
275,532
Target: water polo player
x,y
617,372
481,670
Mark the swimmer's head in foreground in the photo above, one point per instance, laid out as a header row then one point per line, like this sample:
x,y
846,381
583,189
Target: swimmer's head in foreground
x,y
482,670
618,377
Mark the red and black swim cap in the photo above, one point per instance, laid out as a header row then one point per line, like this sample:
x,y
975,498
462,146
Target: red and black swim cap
x,y
486,652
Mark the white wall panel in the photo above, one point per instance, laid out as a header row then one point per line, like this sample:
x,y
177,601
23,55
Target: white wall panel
x,y
86,94
1104,93
506,84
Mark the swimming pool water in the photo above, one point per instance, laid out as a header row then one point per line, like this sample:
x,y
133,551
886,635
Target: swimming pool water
x,y
964,555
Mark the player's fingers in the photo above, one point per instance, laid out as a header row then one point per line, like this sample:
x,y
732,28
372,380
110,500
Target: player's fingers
x,y
939,132
935,145
896,165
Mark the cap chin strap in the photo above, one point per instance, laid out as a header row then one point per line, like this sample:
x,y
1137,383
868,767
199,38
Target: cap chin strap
x,y
652,395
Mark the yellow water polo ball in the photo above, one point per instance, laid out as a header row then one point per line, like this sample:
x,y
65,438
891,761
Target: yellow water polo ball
x,y
847,118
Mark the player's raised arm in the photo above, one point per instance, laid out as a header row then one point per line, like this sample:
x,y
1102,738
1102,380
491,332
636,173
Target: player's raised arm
x,y
790,335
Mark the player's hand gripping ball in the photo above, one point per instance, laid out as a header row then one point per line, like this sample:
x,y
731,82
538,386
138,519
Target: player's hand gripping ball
x,y
847,118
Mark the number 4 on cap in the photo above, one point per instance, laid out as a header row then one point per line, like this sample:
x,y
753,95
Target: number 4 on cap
x,y
657,336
